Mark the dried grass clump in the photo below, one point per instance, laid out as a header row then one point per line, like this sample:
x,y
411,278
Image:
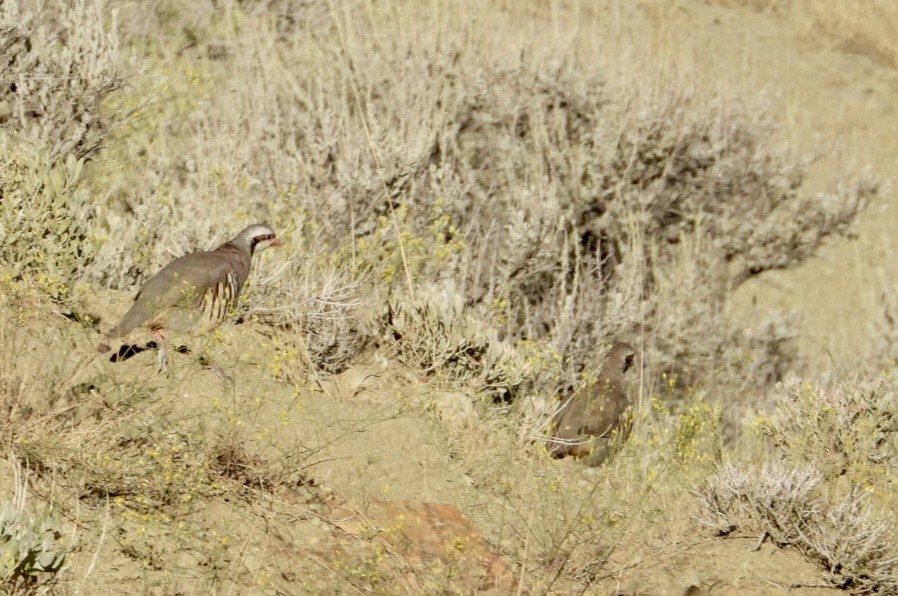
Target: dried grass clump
x,y
565,210
58,63
326,305
432,333
852,541
856,544
829,487
600,215
781,501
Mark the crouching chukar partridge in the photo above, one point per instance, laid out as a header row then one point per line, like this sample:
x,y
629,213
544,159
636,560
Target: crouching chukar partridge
x,y
197,290
594,420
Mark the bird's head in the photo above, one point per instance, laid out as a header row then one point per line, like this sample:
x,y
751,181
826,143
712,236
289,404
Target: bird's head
x,y
257,238
621,357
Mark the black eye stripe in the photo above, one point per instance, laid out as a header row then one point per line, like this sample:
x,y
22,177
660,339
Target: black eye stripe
x,y
257,239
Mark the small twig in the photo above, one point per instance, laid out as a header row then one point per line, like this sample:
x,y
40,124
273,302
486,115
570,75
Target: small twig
x,y
761,540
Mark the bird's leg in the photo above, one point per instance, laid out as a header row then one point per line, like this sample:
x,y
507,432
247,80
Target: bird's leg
x,y
162,358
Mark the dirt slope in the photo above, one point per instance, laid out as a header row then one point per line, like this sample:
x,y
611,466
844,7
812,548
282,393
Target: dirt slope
x,y
824,93
373,477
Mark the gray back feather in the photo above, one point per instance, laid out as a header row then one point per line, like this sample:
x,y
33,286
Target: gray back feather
x,y
184,282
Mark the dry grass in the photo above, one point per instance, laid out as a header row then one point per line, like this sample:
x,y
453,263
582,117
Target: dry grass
x,y
851,539
828,458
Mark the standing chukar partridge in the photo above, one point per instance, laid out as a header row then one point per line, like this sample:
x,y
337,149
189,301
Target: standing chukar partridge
x,y
592,421
196,290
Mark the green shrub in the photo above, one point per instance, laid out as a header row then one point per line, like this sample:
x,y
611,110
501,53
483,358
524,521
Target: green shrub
x,y
847,430
59,66
30,552
44,218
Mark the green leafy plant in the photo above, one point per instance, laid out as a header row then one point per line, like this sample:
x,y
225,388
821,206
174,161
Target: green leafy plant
x,y
31,555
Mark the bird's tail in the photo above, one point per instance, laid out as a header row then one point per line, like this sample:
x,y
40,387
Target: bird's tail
x,y
134,317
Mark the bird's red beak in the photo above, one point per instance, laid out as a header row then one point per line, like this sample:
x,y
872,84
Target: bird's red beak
x,y
276,242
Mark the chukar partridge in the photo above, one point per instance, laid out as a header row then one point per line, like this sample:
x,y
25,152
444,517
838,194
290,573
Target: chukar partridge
x,y
197,290
590,423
